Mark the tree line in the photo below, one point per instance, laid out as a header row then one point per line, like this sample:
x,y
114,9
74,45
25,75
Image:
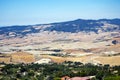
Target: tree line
x,y
54,71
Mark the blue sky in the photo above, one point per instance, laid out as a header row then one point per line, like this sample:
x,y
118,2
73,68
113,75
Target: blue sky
x,y
25,12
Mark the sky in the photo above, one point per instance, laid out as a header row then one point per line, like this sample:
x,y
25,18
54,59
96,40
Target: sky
x,y
29,12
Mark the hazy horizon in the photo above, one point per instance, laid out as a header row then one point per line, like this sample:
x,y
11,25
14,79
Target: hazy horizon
x,y
30,12
51,22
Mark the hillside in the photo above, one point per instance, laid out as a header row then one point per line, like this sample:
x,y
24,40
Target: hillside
x,y
86,41
79,25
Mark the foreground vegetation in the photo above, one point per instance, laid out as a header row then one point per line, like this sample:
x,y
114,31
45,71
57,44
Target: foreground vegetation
x,y
55,71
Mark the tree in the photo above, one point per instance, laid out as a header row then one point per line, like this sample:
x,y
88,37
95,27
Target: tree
x,y
114,42
100,75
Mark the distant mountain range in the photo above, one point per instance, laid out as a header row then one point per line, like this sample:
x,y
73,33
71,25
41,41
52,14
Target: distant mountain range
x,y
79,25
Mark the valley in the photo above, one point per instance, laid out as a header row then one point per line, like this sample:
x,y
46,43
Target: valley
x,y
89,49
78,47
98,45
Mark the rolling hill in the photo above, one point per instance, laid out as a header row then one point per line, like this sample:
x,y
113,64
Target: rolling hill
x,y
79,25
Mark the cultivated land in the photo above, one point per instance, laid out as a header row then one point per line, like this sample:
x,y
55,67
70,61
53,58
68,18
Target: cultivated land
x,y
86,41
78,47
